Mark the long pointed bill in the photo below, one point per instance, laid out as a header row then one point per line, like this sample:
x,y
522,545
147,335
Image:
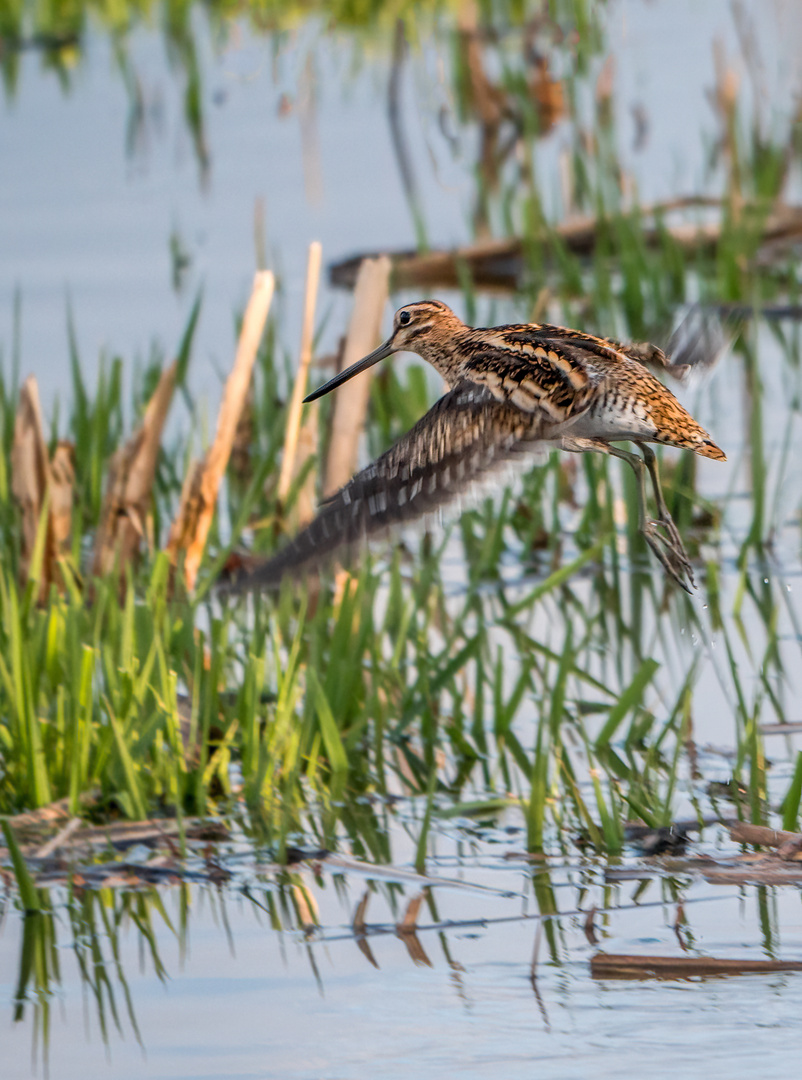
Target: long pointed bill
x,y
354,369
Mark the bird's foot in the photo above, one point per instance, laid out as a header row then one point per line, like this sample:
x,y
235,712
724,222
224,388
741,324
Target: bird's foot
x,y
670,551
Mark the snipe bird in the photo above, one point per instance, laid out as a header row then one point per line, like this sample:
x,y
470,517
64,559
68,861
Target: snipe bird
x,y
514,389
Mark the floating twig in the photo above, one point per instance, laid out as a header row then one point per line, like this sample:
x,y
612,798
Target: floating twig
x,y
618,966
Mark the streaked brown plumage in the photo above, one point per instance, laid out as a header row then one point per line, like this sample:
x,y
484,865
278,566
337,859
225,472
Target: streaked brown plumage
x,y
515,389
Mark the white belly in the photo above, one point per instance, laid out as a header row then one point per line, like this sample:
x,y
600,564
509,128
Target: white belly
x,y
627,420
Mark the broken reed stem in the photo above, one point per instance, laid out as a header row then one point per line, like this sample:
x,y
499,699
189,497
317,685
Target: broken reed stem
x,y
199,494
299,389
31,483
126,504
351,401
62,487
306,502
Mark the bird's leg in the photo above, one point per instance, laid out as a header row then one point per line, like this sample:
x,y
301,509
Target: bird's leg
x,y
664,517
668,549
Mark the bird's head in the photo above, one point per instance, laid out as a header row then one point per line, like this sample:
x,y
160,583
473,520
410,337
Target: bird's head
x,y
414,326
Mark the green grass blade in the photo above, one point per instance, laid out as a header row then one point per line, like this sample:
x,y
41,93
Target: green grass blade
x,y
628,700
338,758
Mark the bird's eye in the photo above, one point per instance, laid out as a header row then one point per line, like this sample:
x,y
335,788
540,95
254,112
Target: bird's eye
x,y
404,318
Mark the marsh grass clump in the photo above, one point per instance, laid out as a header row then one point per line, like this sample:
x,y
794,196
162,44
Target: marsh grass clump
x,y
558,673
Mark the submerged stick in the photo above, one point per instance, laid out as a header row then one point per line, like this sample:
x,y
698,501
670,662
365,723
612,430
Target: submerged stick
x,y
199,495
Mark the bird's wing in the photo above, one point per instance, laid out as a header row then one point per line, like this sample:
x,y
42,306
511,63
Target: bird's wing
x,y
644,352
461,440
695,346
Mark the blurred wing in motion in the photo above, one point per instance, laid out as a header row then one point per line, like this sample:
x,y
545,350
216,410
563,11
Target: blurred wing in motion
x,y
694,348
463,439
698,343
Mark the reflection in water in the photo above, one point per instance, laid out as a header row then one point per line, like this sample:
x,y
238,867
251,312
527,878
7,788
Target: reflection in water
x,y
111,942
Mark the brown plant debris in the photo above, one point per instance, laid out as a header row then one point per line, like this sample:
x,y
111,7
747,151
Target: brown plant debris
x,y
38,490
55,813
743,833
125,518
68,855
62,489
623,966
406,931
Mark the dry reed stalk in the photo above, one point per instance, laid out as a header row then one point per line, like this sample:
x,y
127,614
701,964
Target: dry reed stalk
x,y
769,870
304,360
548,94
240,463
125,516
31,482
199,495
62,488
306,503
351,402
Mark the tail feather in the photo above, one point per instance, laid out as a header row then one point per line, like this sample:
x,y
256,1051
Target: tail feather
x,y
709,449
